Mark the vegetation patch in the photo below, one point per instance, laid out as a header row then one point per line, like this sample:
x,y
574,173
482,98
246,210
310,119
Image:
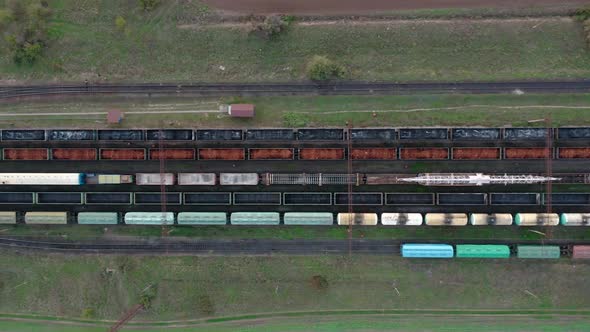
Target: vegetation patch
x,y
62,285
158,48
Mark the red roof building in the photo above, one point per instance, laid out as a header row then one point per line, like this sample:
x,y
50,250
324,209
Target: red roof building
x,y
241,110
114,116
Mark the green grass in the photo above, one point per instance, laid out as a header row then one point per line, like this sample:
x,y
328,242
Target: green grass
x,y
88,46
397,111
87,232
369,323
65,285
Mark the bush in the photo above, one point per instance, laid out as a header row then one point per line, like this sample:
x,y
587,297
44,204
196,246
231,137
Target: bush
x,y
319,282
147,296
587,30
295,120
27,53
272,26
120,23
149,5
582,14
88,313
320,68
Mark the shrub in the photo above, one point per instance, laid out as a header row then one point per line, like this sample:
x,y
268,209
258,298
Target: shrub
x,y
88,313
120,23
27,53
587,30
147,296
149,5
582,14
295,120
272,26
319,282
320,68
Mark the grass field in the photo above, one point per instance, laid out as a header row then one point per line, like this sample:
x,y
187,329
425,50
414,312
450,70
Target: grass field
x,y
291,111
340,323
87,232
197,287
87,45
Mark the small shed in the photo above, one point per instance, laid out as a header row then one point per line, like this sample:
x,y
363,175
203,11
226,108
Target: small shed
x,y
241,110
114,116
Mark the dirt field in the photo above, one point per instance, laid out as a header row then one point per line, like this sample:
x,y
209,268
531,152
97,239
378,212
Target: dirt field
x,y
372,6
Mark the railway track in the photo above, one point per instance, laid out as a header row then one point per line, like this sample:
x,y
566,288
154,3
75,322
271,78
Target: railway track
x,y
248,247
301,88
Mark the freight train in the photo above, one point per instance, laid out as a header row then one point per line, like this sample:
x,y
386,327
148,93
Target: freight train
x,y
307,198
297,218
288,153
493,251
268,179
301,134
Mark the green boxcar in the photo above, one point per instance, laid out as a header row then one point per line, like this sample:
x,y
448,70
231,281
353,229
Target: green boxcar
x,y
482,251
309,218
202,218
538,251
98,218
149,218
255,218
7,217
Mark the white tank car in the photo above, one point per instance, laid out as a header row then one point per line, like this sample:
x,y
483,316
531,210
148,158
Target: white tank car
x,y
494,219
575,219
446,219
536,219
361,219
401,219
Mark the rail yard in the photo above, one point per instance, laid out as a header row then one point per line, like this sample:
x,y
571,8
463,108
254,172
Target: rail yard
x,y
286,176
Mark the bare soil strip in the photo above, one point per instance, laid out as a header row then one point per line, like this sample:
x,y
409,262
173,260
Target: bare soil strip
x,y
372,6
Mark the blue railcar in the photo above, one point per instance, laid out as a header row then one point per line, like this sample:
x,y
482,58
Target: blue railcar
x,y
427,250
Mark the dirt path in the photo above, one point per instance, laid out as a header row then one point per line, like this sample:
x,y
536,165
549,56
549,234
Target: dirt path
x,y
372,6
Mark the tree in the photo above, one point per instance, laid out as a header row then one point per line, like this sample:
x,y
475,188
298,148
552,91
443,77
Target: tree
x,y
319,282
320,68
24,25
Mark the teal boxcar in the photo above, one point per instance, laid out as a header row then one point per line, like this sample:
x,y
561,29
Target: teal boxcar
x,y
149,218
482,251
417,250
309,218
202,218
255,218
98,218
538,252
